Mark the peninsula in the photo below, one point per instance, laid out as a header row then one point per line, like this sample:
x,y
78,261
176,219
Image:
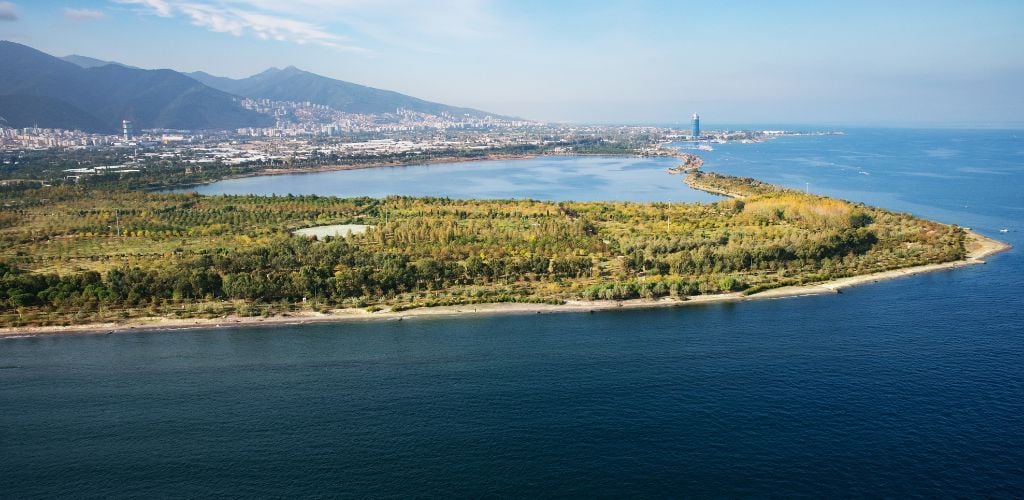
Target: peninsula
x,y
75,257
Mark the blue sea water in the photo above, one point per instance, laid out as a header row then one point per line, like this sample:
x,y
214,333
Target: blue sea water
x,y
912,387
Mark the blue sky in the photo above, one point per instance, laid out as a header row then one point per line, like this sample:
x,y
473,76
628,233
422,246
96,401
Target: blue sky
x,y
893,63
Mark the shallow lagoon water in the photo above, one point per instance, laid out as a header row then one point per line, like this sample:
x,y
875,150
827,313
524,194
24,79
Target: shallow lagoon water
x,y
906,387
549,178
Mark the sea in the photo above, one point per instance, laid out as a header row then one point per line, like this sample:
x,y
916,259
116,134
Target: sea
x,y
910,387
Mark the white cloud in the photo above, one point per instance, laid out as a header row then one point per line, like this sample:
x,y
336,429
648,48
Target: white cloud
x,y
159,7
83,14
8,12
410,24
240,18
458,19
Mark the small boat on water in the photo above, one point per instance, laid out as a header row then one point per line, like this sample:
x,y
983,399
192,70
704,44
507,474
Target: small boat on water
x,y
1004,230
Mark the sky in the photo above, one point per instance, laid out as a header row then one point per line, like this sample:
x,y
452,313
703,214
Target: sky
x,y
905,63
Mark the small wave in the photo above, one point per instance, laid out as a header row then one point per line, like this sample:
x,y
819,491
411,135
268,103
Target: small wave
x,y
942,152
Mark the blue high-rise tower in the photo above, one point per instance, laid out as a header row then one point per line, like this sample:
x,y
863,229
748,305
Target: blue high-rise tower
x,y
696,125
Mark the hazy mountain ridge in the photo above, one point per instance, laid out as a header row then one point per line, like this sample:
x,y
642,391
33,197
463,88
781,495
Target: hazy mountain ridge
x,y
91,62
61,94
85,93
293,84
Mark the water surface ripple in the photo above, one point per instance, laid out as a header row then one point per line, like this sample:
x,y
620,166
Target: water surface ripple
x,y
912,387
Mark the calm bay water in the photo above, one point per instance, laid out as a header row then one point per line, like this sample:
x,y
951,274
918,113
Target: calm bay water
x,y
556,178
906,387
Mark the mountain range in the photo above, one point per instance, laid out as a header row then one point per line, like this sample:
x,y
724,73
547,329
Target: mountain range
x,y
78,92
293,84
39,89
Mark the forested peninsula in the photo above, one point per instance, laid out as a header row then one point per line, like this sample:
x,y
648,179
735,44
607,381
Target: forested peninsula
x,y
73,254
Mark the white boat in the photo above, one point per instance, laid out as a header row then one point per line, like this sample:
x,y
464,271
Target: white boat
x,y
1004,230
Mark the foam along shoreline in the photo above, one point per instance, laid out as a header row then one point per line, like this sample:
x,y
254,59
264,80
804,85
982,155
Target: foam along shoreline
x,y
979,247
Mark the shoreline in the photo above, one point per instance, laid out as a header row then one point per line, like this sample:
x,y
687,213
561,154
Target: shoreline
x,y
979,247
410,163
355,166
448,159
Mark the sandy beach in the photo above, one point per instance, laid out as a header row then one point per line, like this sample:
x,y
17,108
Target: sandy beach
x,y
979,247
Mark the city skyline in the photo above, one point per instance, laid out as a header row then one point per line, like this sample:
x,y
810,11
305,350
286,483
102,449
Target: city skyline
x,y
932,64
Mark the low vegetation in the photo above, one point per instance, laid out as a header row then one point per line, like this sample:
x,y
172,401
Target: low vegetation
x,y
76,254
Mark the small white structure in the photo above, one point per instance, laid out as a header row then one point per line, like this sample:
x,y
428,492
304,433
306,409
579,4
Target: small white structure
x,y
335,230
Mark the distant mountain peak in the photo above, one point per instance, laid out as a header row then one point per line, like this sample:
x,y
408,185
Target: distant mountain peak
x,y
294,84
273,70
95,95
91,62
39,89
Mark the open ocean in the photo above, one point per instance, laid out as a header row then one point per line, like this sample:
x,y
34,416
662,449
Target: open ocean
x,y
911,387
